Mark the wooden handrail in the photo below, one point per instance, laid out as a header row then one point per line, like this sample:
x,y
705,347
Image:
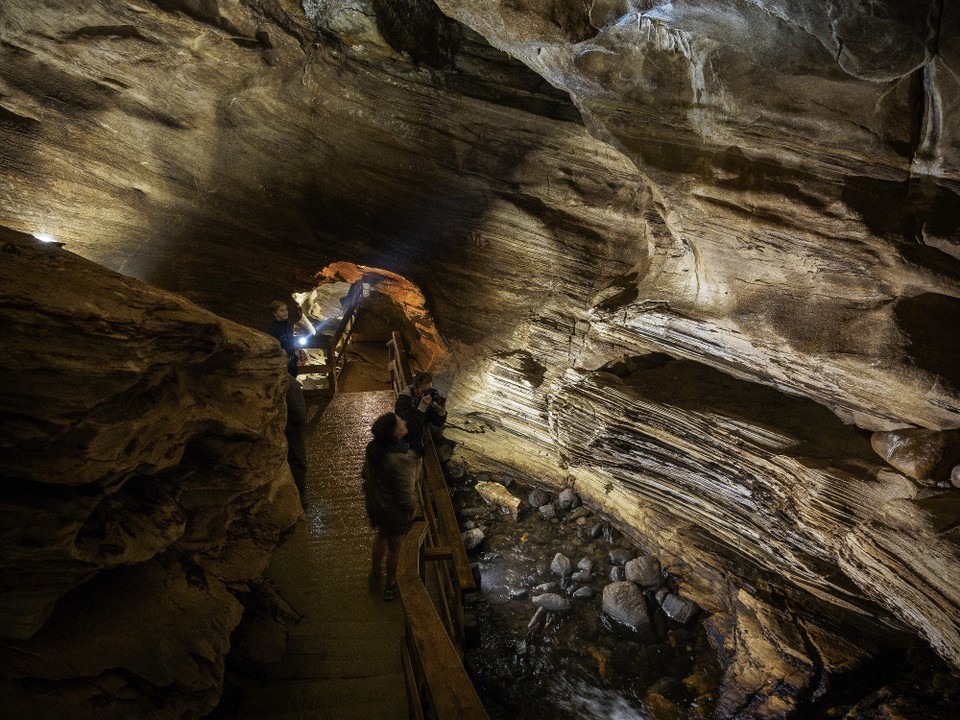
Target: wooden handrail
x,y
449,527
336,344
446,689
437,682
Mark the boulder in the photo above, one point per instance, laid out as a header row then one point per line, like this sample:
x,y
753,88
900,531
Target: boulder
x,y
472,538
581,576
551,602
145,480
585,563
548,511
567,500
625,603
538,497
561,565
616,573
924,455
677,608
619,556
497,494
645,571
955,476
584,593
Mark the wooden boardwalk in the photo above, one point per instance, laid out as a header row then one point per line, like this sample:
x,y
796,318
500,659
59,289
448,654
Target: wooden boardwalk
x,y
343,660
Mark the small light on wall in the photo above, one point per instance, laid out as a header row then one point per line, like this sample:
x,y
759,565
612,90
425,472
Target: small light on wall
x,y
44,237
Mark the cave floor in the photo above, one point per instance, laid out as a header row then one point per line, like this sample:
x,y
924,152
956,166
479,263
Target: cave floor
x,y
343,657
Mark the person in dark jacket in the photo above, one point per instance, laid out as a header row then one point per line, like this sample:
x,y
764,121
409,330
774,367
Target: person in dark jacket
x,y
296,444
282,329
389,474
422,408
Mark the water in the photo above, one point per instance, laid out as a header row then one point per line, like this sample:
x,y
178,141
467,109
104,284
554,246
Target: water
x,y
581,665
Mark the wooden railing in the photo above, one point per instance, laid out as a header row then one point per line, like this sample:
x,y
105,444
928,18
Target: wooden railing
x,y
337,352
433,553
334,349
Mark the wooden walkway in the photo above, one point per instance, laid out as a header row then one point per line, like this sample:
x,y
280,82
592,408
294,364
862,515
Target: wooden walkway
x,y
343,659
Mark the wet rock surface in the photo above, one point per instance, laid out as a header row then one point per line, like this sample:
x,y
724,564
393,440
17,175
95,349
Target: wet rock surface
x,y
616,649
543,625
926,455
141,492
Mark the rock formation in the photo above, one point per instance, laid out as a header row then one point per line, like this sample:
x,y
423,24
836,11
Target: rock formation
x,y
686,255
144,485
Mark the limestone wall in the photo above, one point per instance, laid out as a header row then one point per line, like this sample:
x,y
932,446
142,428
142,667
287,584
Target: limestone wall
x,y
144,484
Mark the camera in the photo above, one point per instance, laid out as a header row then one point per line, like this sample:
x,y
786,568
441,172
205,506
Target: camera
x,y
436,396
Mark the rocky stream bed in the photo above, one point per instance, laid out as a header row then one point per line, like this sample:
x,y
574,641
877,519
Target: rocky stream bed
x,y
575,620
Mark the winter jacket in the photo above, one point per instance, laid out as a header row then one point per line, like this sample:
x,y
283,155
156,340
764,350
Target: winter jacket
x,y
389,488
416,419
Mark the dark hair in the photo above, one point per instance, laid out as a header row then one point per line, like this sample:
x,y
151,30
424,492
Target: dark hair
x,y
383,428
421,379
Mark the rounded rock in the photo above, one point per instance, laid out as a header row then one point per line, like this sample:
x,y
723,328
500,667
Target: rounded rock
x,y
624,602
644,571
581,576
679,609
922,454
472,538
538,497
552,602
568,499
561,565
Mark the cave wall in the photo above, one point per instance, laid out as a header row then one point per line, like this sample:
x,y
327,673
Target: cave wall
x,y
143,487
684,254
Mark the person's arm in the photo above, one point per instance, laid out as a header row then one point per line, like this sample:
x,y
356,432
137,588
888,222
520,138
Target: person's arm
x,y
413,414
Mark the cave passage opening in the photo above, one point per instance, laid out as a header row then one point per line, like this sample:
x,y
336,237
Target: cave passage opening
x,y
362,307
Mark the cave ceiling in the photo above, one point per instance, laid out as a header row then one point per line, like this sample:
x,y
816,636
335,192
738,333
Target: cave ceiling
x,y
764,192
720,180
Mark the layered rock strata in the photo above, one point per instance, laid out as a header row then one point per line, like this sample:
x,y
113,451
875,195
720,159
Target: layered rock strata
x,y
144,485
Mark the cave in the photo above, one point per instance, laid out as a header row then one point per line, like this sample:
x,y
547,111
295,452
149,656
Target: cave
x,y
698,261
